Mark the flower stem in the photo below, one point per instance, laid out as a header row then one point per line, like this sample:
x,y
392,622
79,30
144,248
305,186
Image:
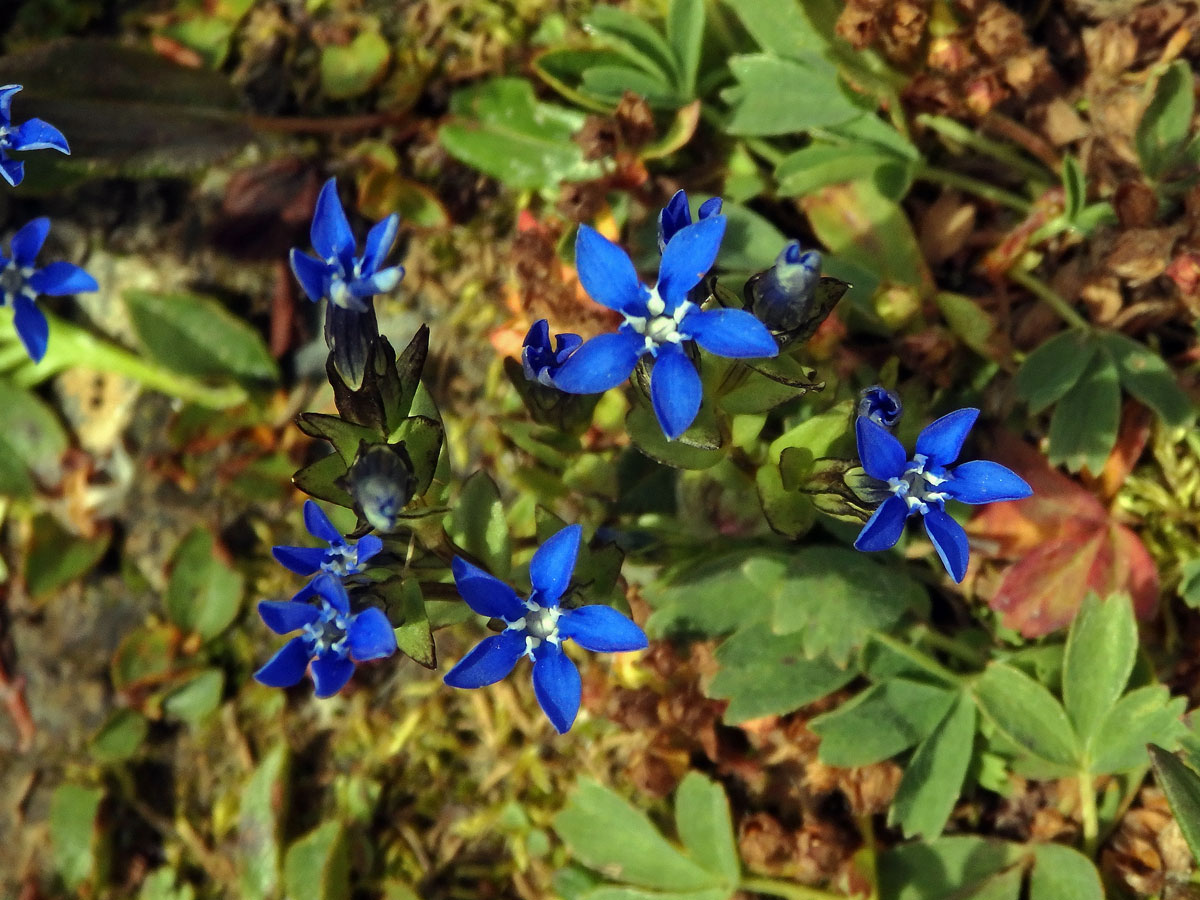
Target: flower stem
x,y
961,134
949,645
776,887
917,657
975,186
1087,810
1050,297
71,346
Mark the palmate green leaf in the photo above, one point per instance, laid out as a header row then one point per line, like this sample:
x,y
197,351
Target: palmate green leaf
x,y
1083,427
635,39
1053,368
885,719
609,83
1147,715
605,833
705,828
203,594
317,866
73,833
775,96
766,674
1101,647
933,778
780,27
710,597
197,336
1147,377
685,34
1165,124
477,524
1028,715
1181,784
502,130
1063,873
963,868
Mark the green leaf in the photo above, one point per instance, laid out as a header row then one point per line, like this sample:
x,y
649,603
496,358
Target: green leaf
x,y
345,436
422,437
203,594
1063,873
883,720
1074,186
350,70
612,892
1147,715
1053,368
788,511
320,480
765,674
703,822
477,524
73,833
780,27
1181,784
934,776
33,438
1165,124
963,867
119,737
1101,647
264,803
197,336
504,132
1147,377
144,654
57,557
968,320
1083,428
685,33
198,699
611,82
635,39
404,604
605,833
819,164
682,453
1027,714
317,866
711,596
761,108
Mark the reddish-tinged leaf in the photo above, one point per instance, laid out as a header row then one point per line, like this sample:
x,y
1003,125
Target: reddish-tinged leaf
x,y
1013,245
1131,441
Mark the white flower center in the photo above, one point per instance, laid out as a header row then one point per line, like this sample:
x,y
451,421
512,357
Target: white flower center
x,y
328,632
14,280
918,487
341,561
659,327
539,624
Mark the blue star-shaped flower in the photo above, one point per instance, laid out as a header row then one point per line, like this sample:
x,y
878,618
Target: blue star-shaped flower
x,y
21,282
332,637
346,280
537,627
924,484
32,134
341,559
880,405
539,358
658,321
677,215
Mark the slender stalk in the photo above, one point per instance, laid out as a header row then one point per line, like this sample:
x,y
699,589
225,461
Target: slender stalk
x,y
1049,296
968,137
788,890
1087,810
976,187
949,645
917,657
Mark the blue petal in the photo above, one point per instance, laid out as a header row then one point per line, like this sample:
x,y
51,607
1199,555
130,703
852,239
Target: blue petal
x,y
602,629
557,686
367,548
286,667
311,273
601,363
674,216
379,243
319,526
301,560
983,481
27,243
331,234
688,256
675,390
62,278
732,333
6,95
487,595
949,540
34,134
32,327
380,283
710,207
883,529
489,661
286,616
941,441
371,636
330,673
330,588
607,274
551,567
12,170
881,454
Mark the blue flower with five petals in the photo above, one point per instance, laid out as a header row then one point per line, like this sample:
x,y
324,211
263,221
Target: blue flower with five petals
x,y
659,321
537,627
539,358
346,280
21,282
677,215
32,134
342,558
332,637
924,484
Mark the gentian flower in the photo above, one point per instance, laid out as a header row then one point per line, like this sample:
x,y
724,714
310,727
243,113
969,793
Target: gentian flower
x,y
658,321
21,282
341,559
783,295
32,134
345,279
332,637
539,359
537,627
924,484
677,215
880,405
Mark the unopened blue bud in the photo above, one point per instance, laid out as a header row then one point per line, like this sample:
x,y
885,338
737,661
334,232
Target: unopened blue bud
x,y
677,215
539,358
880,405
783,294
381,481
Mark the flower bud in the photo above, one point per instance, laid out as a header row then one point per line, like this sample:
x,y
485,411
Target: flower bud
x,y
677,215
880,406
381,482
782,297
